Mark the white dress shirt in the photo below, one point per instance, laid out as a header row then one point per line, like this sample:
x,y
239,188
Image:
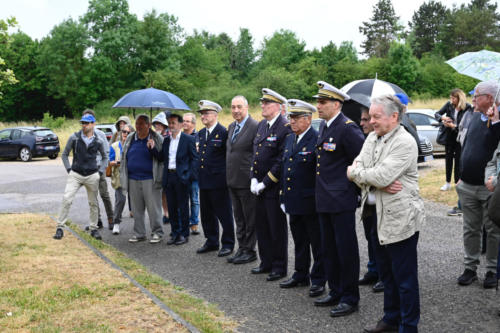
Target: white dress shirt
x,y
172,151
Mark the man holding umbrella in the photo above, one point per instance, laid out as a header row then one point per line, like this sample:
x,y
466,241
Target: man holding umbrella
x,y
340,141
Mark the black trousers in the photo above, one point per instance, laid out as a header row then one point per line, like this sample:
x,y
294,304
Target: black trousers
x,y
306,235
340,246
272,234
244,209
178,205
215,207
453,151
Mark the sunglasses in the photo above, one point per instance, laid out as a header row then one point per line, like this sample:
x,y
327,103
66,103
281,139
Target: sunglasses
x,y
125,132
84,122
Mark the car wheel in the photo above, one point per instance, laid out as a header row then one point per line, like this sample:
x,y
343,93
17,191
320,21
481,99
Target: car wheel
x,y
53,156
25,154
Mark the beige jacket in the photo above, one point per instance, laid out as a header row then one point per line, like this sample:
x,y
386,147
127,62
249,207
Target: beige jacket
x,y
379,164
115,170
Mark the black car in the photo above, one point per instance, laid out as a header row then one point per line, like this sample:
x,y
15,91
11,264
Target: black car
x,y
28,142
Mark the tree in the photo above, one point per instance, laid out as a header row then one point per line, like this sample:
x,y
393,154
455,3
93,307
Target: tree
x,y
7,76
426,23
244,55
381,30
404,66
281,50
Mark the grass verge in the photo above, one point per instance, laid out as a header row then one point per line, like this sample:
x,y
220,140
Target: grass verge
x,y
61,286
430,184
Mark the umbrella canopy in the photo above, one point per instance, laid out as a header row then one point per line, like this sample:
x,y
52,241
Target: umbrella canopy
x,y
363,90
482,65
151,98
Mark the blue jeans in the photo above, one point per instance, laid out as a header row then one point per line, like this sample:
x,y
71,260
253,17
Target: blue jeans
x,y
194,199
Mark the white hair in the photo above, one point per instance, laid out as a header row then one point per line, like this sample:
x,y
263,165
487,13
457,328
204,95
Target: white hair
x,y
390,104
489,88
245,102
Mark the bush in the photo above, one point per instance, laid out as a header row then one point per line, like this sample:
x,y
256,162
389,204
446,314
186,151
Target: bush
x,y
50,122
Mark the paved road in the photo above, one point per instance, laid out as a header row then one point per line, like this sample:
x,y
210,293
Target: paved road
x,y
262,306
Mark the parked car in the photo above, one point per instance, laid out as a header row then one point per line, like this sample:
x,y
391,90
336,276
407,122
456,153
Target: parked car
x,y
28,142
108,129
425,148
427,126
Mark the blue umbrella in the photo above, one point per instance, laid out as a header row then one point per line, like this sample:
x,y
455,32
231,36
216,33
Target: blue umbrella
x,y
151,98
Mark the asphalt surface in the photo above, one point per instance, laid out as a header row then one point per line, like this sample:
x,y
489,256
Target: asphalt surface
x,y
261,306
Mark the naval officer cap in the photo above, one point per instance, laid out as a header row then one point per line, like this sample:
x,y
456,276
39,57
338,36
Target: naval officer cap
x,y
296,107
269,95
206,105
328,91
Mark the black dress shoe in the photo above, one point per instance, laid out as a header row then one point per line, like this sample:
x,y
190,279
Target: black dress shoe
x,y
172,240
99,224
368,278
378,287
328,300
291,283
260,270
181,240
273,276
59,234
381,326
245,258
95,234
343,309
225,251
236,255
207,248
316,290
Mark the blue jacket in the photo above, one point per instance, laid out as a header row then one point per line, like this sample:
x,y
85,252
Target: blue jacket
x,y
336,148
268,147
212,165
298,176
186,159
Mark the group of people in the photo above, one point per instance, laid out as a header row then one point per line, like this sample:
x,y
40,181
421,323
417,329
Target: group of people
x,y
263,176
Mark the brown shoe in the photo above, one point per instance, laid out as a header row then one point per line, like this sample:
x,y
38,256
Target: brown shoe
x,y
381,326
194,230
110,223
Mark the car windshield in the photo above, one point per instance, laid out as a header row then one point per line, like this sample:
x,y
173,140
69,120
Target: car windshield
x,y
105,129
44,132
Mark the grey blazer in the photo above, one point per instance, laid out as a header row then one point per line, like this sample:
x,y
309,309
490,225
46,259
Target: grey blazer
x,y
239,154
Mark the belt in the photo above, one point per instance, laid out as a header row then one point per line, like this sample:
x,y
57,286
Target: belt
x,y
172,170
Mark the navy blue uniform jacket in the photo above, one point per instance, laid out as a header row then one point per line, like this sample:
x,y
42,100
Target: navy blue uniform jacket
x,y
186,159
298,175
336,148
268,147
212,171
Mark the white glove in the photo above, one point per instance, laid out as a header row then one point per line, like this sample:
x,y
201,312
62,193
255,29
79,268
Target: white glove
x,y
259,188
253,184
282,206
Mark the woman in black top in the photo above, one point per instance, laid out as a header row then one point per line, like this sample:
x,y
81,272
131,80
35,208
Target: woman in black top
x,y
451,115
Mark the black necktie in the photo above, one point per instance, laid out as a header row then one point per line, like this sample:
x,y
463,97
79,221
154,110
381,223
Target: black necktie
x,y
208,134
296,141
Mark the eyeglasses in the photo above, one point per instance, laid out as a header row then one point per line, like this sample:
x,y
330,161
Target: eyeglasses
x,y
125,132
84,122
476,96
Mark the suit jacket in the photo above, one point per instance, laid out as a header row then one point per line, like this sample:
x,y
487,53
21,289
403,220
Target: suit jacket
x,y
212,169
336,148
186,158
268,147
298,177
239,154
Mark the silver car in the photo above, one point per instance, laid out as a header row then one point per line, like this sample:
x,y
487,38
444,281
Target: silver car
x,y
427,126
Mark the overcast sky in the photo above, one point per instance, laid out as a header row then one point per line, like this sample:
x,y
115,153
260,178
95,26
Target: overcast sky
x,y
315,21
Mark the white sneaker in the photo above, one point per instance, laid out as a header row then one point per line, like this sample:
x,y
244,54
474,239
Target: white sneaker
x,y
446,187
116,229
156,239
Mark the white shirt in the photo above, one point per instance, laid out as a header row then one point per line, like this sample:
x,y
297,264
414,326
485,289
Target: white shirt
x,y
172,151
329,122
211,129
303,133
271,122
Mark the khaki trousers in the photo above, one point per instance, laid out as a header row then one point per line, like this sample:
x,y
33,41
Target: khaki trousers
x,y
73,184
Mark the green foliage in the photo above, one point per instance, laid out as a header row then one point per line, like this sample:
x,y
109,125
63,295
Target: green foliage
x,y
381,30
281,50
427,21
403,68
7,76
50,122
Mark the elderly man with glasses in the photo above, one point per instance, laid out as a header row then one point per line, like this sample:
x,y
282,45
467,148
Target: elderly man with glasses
x,y
481,141
83,171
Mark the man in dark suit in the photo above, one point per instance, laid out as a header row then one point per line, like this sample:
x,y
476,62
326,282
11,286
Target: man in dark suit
x,y
268,147
298,179
215,204
180,158
340,141
241,133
